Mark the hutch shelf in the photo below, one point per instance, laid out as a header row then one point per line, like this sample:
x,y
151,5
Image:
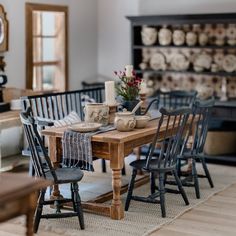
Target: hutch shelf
x,y
169,63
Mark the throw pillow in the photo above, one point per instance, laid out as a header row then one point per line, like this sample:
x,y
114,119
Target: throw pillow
x,y
71,118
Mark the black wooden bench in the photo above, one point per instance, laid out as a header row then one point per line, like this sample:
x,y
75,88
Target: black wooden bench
x,y
56,106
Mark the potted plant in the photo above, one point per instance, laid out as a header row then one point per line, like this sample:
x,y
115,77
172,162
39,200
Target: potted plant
x,y
128,87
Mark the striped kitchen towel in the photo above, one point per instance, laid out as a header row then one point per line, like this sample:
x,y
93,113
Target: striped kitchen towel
x,y
77,148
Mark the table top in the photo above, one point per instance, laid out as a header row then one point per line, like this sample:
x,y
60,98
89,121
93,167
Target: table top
x,y
9,119
113,136
14,186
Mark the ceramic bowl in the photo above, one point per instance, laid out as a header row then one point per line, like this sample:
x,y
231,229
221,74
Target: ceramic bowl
x,y
141,121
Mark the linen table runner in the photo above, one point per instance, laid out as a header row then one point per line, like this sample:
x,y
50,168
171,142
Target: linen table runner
x,y
77,148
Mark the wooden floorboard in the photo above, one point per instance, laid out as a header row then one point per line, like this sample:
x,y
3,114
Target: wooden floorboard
x,y
217,217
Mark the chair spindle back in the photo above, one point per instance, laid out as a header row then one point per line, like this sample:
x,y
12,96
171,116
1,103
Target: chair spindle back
x,y
37,149
176,99
175,123
202,112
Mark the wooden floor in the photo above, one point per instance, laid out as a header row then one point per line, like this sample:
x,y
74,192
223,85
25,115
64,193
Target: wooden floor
x,y
215,217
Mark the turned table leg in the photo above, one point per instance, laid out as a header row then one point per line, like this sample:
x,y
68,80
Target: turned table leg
x,y
117,211
32,202
55,153
29,223
117,163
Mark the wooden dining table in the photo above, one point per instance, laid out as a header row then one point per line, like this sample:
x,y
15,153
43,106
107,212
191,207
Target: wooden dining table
x,y
113,146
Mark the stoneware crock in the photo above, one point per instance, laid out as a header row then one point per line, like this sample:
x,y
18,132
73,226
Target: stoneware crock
x,y
97,112
124,121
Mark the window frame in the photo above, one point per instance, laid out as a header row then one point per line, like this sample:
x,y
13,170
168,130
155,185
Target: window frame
x,y
29,9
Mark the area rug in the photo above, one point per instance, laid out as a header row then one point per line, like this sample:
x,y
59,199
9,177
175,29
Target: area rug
x,y
142,218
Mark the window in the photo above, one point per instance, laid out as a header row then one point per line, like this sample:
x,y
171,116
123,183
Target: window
x,y
46,27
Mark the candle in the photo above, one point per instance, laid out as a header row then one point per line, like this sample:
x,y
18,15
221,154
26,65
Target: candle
x,y
143,88
110,93
129,70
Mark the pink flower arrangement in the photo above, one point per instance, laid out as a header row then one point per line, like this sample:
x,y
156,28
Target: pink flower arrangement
x,y
129,87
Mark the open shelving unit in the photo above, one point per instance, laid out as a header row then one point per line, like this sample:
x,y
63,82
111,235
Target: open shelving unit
x,y
224,111
159,21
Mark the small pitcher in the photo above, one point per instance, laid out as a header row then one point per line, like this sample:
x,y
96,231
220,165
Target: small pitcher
x,y
124,121
97,112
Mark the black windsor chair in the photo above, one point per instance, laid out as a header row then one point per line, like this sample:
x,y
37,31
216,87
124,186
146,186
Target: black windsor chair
x,y
176,98
176,120
201,114
171,100
43,168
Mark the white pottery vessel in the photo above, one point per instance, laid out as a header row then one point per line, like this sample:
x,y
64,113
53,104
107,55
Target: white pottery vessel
x,y
191,39
178,37
202,39
124,121
214,67
164,36
97,112
149,35
141,121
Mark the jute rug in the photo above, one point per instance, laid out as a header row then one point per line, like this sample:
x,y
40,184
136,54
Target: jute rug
x,y
142,218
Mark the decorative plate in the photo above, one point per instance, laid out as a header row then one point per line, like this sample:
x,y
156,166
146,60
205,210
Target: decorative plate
x,y
229,63
218,59
202,61
179,62
85,127
157,61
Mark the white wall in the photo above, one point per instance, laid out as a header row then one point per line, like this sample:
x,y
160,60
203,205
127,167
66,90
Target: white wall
x,y
154,7
114,35
82,40
114,30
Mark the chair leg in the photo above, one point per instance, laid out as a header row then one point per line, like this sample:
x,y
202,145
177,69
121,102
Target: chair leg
x,y
195,178
31,169
77,204
130,189
180,187
123,171
152,182
207,173
73,197
39,210
162,194
179,166
104,167
57,206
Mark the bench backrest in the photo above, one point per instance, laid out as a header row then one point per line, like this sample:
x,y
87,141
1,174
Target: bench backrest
x,y
56,106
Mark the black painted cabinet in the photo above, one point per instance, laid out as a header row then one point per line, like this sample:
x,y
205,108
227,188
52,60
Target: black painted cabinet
x,y
217,27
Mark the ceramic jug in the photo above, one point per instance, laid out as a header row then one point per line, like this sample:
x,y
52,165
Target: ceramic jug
x,y
97,112
124,121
